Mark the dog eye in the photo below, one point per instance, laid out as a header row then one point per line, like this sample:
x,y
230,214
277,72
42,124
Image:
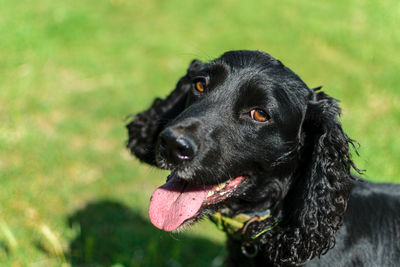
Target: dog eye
x,y
200,84
259,115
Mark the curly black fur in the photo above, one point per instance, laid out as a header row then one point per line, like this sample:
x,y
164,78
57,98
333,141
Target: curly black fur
x,y
318,198
144,129
298,163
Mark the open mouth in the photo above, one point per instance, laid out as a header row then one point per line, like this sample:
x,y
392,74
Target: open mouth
x,y
178,201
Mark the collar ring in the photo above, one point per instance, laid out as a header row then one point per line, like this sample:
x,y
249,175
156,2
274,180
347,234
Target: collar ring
x,y
250,250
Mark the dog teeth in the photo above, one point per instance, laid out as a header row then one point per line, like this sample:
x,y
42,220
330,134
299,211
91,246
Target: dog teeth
x,y
218,189
210,193
220,186
224,193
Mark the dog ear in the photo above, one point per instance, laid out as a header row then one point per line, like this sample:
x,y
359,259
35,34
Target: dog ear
x,y
144,128
322,186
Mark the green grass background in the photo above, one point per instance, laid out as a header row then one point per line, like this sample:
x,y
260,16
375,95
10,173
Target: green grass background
x,y
70,72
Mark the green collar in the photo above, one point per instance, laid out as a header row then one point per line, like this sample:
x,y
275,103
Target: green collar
x,y
237,226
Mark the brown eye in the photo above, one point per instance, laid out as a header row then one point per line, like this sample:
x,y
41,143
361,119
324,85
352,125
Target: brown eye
x,y
200,85
259,115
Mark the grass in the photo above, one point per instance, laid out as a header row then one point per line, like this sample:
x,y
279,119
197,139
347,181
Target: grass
x,y
71,71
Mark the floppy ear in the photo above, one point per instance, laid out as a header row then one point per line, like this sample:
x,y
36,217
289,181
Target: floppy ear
x,y
323,182
145,127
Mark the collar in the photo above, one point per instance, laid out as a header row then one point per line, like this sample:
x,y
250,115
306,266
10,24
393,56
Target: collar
x,y
236,226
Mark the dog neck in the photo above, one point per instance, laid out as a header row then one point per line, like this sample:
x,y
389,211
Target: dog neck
x,y
236,226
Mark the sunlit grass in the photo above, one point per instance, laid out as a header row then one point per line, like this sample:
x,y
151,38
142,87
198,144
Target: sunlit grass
x,y
10,241
70,73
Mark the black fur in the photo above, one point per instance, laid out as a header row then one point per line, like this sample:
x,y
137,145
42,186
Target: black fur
x,y
298,163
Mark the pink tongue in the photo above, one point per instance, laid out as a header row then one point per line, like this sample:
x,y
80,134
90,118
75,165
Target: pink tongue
x,y
175,202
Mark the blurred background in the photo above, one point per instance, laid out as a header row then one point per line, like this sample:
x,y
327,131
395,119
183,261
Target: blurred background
x,y
71,71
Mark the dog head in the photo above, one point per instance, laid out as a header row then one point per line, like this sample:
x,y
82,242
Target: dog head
x,y
244,133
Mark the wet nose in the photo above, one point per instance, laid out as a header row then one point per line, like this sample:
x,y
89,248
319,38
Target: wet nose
x,y
176,147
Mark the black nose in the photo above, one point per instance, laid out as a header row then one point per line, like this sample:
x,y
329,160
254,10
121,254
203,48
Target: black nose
x,y
176,147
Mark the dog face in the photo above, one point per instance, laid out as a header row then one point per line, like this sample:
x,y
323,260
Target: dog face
x,y
235,142
243,133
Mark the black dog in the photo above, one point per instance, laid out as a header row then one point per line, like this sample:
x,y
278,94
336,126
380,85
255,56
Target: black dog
x,y
251,146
